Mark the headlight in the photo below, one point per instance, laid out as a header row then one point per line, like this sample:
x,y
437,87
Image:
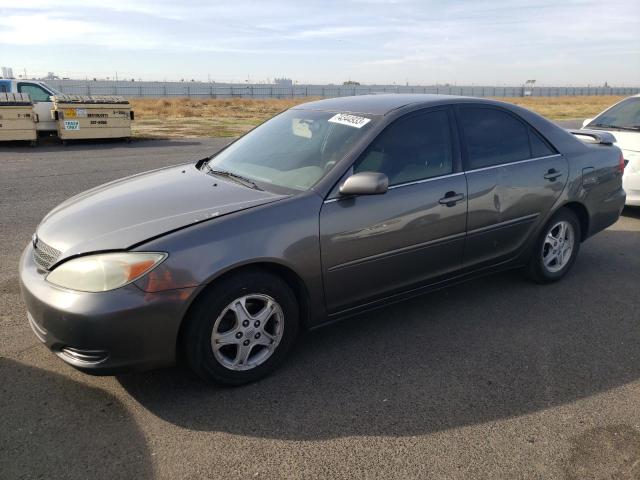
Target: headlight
x,y
105,271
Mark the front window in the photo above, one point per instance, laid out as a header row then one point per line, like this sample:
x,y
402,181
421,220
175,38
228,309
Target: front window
x,y
411,149
36,92
293,150
625,115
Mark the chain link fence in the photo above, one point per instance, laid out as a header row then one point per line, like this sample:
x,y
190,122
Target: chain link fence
x,y
215,90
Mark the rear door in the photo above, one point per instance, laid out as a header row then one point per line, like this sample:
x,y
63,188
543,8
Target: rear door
x,y
42,104
514,177
377,245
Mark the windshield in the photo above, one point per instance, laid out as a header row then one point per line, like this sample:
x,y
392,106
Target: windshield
x,y
294,149
624,115
55,91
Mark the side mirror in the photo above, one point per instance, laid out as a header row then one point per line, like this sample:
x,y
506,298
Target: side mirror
x,y
365,183
586,122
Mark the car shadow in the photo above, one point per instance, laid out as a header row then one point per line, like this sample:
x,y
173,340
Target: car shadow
x,y
631,212
492,348
54,427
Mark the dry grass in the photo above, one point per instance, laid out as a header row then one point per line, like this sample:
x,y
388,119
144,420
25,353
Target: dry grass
x,y
561,108
188,117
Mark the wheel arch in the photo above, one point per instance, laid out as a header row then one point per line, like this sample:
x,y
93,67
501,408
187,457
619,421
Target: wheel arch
x,y
292,279
581,212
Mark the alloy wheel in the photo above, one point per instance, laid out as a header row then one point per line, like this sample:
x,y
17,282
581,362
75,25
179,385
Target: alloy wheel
x,y
247,332
558,246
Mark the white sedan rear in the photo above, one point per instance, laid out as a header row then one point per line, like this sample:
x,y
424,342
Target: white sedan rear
x,y
623,121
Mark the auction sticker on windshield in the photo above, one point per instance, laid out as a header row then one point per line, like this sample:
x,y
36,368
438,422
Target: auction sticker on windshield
x,y
349,120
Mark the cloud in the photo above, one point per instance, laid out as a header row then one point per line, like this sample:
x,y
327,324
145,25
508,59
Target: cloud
x,y
371,39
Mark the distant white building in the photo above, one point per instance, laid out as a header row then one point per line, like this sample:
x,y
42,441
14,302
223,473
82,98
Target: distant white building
x,y
283,82
7,72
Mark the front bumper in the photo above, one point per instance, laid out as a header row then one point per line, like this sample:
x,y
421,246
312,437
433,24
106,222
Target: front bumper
x,y
103,333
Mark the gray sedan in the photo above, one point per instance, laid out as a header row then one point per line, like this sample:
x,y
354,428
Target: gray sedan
x,y
328,210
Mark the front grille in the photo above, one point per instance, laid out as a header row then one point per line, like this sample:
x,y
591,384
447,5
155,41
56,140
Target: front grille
x,y
44,255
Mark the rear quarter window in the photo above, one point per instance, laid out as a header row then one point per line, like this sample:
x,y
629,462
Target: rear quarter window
x,y
539,147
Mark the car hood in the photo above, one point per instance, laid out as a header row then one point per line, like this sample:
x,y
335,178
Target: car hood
x,y
123,213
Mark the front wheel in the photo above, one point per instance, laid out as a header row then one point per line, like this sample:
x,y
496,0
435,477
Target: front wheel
x,y
241,328
556,249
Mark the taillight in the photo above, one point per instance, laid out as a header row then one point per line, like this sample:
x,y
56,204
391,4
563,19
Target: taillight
x,y
621,164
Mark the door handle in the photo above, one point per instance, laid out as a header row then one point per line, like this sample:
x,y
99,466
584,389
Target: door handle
x,y
451,198
552,174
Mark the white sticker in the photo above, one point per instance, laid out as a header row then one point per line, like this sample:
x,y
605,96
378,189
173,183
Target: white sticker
x,y
349,120
71,125
81,112
301,128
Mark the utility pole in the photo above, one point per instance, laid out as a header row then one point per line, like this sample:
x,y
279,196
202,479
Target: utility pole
x,y
116,76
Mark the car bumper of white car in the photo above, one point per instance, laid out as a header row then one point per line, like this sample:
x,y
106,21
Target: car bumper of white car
x,y
631,178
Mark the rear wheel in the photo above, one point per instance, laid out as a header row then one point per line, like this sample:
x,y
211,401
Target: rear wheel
x,y
242,328
556,249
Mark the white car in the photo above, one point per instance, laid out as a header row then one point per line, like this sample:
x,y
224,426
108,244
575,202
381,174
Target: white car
x,y
40,94
623,121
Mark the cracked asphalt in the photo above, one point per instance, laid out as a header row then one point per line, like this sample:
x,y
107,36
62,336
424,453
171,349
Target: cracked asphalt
x,y
494,378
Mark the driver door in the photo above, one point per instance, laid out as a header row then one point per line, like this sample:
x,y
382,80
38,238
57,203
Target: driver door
x,y
42,104
378,245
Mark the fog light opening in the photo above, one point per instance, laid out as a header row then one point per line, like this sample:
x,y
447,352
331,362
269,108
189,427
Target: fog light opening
x,y
84,357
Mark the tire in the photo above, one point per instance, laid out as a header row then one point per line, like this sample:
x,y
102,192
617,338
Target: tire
x,y
236,308
543,268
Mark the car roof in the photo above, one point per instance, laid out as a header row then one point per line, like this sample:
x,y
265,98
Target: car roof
x,y
380,104
387,103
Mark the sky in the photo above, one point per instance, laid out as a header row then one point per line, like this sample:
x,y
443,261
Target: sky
x,y
581,42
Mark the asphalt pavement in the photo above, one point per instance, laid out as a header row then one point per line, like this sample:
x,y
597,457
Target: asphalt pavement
x,y
494,378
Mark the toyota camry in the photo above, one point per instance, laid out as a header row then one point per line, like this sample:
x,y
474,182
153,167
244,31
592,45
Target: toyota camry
x,y
329,209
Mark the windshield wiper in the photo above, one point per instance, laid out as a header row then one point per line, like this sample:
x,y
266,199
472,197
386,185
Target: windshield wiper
x,y
619,127
233,176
